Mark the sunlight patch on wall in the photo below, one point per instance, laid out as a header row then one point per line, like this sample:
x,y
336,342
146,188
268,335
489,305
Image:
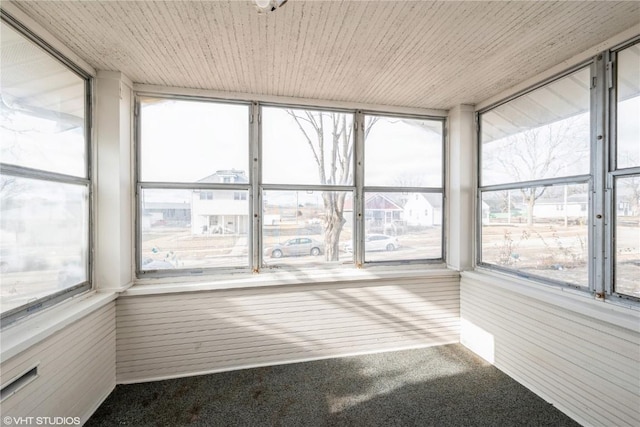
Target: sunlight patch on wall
x,y
477,340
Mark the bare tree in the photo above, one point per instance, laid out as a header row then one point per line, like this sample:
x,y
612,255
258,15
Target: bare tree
x,y
329,135
543,152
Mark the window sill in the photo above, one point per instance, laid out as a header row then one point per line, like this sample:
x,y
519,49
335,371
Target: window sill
x,y
33,329
286,278
620,312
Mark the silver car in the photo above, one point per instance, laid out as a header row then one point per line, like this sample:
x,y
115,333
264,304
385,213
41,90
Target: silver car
x,y
296,246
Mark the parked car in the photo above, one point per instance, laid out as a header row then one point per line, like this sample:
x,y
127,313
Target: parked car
x,y
376,242
296,246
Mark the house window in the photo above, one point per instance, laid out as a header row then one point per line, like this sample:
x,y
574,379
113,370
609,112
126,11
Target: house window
x,y
194,155
403,170
44,175
534,172
261,186
559,179
308,185
625,175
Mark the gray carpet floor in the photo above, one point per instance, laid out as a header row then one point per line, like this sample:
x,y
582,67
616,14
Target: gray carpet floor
x,y
437,386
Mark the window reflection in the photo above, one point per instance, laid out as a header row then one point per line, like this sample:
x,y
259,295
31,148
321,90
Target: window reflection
x,y
548,238
627,242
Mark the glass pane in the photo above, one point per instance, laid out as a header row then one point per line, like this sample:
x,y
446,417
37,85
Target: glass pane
x,y
402,152
189,229
306,147
306,227
402,226
42,113
43,241
189,141
628,110
543,134
628,236
538,230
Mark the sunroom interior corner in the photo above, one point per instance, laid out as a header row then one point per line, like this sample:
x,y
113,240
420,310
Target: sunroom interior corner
x,y
576,349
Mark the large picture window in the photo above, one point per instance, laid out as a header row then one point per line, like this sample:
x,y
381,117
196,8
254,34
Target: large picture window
x,y
253,186
308,185
193,185
403,191
559,179
44,176
534,182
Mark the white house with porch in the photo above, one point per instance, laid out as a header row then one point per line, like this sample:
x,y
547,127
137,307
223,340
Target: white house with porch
x,y
220,211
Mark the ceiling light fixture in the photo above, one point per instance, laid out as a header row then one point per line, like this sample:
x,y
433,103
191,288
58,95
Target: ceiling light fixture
x,y
268,5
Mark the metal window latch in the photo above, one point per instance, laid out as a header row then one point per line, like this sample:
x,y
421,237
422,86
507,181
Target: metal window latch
x,y
609,71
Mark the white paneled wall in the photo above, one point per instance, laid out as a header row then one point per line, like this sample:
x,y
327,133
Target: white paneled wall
x,y
588,368
172,335
75,370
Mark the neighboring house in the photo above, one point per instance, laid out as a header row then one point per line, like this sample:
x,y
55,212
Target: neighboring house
x,y
176,214
380,212
387,214
379,209
220,211
423,210
575,206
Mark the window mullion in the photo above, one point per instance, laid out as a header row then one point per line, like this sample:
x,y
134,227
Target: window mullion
x,y
599,139
255,178
358,212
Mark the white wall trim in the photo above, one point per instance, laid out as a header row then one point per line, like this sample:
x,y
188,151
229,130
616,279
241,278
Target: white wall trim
x,y
115,75
460,186
28,332
302,102
622,313
284,361
310,278
113,176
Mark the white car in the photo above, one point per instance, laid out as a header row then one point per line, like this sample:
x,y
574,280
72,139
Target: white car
x,y
376,242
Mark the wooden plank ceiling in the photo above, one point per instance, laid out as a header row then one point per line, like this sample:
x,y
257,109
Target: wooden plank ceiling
x,y
419,54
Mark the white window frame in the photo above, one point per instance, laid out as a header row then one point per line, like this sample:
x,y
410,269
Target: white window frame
x,y
10,316
361,164
613,172
206,187
603,172
255,187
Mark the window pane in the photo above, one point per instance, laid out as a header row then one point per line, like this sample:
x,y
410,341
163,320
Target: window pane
x,y
188,141
307,147
628,236
44,239
543,134
402,226
42,122
306,227
628,110
189,229
538,230
403,152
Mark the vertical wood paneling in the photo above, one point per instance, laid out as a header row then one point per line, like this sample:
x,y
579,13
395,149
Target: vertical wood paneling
x,y
76,370
588,368
171,335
